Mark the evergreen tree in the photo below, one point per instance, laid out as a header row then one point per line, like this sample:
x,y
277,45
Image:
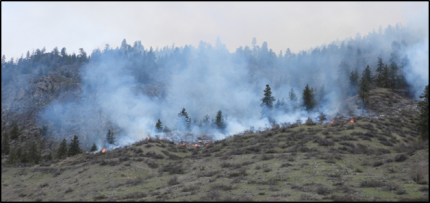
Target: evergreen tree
x,y
12,157
93,148
159,126
392,75
367,73
109,137
62,150
353,78
423,119
184,118
5,146
82,55
380,65
74,146
322,117
34,154
292,96
219,120
308,98
14,134
24,157
268,99
321,94
363,91
205,122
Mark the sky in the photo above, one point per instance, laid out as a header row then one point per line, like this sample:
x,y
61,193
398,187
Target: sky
x,y
27,26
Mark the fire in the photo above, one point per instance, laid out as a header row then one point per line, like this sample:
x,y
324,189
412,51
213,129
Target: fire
x,y
182,144
332,122
351,121
195,145
148,138
103,150
207,144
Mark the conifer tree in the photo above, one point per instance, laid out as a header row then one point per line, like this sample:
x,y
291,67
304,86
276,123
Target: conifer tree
x,y
12,157
159,126
62,150
292,96
109,137
423,119
184,119
14,133
363,91
308,98
268,99
353,78
34,154
219,120
392,75
24,157
5,145
367,73
74,146
93,148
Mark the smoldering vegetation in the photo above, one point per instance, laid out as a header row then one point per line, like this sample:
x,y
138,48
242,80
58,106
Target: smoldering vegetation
x,y
129,88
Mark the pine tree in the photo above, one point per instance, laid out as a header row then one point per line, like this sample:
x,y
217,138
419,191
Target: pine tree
x,y
5,145
322,117
34,154
14,133
353,78
308,98
109,137
12,157
292,96
93,148
268,99
24,157
62,150
74,146
363,91
219,120
392,75
184,119
423,119
367,73
159,126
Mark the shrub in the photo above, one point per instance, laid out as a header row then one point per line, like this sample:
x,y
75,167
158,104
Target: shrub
x,y
173,181
418,175
400,158
377,163
222,187
323,190
371,183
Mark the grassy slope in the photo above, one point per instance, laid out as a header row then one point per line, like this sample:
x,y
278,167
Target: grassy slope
x,y
344,161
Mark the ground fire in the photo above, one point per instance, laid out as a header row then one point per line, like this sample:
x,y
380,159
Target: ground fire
x,y
103,150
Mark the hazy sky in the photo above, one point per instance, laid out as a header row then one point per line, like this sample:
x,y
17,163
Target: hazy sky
x,y
295,25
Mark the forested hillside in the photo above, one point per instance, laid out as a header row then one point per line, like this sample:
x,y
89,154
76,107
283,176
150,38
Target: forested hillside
x,y
117,96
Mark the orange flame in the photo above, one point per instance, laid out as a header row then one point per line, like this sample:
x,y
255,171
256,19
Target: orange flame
x,y
332,122
104,150
148,138
182,144
351,121
195,145
207,144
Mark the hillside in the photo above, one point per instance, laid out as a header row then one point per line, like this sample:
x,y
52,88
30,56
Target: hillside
x,y
375,158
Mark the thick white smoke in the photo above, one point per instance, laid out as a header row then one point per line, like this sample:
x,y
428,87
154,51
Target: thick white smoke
x,y
207,79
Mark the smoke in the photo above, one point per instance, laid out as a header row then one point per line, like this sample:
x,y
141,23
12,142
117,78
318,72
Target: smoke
x,y
128,89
